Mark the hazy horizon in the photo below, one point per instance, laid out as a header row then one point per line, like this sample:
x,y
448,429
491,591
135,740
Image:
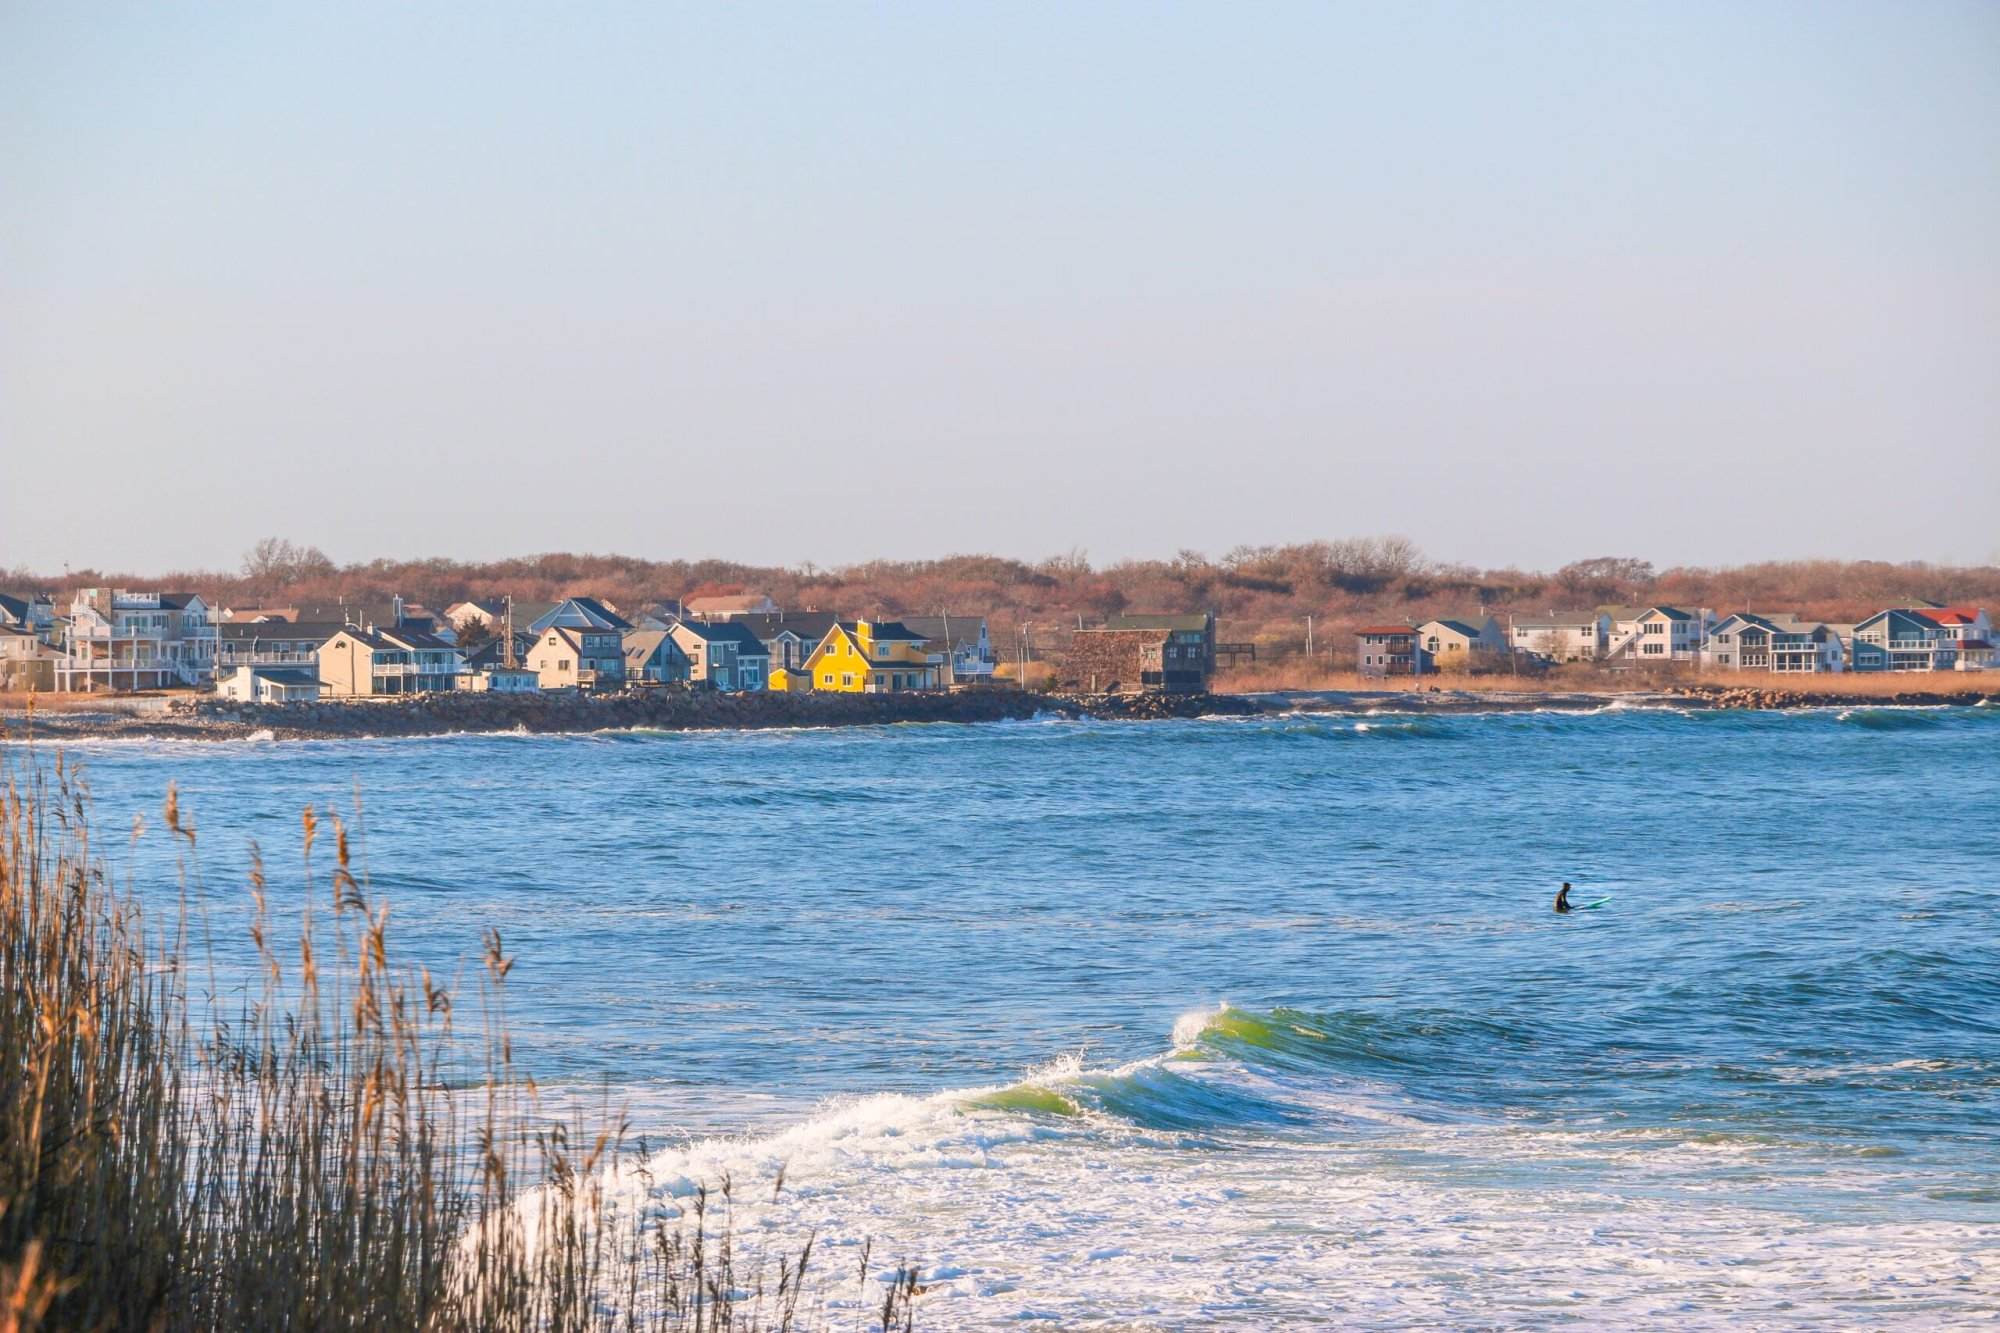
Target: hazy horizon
x,y
1693,283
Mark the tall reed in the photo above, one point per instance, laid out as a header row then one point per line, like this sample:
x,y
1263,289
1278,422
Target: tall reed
x,y
327,1150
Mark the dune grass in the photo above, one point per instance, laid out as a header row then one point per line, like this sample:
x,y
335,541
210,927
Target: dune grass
x,y
324,1149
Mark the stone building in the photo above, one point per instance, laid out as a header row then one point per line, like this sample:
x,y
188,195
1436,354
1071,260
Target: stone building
x,y
1142,655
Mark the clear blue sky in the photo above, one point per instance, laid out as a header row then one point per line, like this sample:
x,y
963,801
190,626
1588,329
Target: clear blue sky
x,y
1524,282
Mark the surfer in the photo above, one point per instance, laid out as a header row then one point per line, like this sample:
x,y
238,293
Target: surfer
x,y
1562,899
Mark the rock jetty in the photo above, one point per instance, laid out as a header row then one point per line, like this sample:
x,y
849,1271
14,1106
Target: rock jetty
x,y
1763,696
667,709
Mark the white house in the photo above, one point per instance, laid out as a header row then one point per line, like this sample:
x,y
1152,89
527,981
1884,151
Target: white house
x,y
119,640
1561,636
1656,636
1969,631
268,685
502,680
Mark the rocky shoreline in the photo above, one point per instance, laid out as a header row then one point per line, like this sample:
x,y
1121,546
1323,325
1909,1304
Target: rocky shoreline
x,y
556,713
680,709
1777,697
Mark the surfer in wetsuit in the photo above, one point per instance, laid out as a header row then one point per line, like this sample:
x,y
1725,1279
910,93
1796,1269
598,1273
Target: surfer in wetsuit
x,y
1562,899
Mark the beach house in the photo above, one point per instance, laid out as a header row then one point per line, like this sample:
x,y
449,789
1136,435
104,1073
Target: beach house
x,y
1560,636
1390,650
788,636
1748,641
292,645
1970,633
1904,641
588,657
1463,645
873,657
33,612
652,657
120,640
962,644
360,661
1655,636
269,685
722,655
26,662
576,613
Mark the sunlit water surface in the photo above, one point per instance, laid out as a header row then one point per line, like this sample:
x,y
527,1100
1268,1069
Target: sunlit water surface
x,y
1240,1023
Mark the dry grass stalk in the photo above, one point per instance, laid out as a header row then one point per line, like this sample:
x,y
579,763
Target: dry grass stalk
x,y
327,1154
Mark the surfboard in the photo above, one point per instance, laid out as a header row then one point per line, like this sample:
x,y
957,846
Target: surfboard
x,y
1585,907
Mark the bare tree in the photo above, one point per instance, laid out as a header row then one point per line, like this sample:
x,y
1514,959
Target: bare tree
x,y
275,562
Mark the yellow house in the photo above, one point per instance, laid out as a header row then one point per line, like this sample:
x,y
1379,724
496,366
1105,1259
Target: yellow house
x,y
872,657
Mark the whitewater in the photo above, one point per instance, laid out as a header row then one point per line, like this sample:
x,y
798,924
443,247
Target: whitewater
x,y
1259,1023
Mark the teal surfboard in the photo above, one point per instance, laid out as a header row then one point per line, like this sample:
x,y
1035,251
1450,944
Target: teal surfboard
x,y
1585,907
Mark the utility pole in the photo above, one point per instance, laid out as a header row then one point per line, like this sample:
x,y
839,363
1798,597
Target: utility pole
x,y
1309,637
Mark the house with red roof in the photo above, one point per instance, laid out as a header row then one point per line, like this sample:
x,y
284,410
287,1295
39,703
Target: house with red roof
x,y
1969,632
1390,650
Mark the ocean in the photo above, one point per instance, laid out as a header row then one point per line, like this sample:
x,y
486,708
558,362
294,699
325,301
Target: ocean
x,y
1244,1023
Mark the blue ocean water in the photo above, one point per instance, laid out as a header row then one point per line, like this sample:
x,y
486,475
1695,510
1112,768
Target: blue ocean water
x,y
1259,1022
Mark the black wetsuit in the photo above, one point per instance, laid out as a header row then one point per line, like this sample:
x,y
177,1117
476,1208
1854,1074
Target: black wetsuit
x,y
1562,900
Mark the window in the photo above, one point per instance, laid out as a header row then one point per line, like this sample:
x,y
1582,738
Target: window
x,y
563,665
847,678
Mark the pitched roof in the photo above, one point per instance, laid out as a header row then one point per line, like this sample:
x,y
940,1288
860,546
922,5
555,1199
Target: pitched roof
x,y
13,608
577,613
964,629
747,644
366,613
708,631
642,644
1921,618
1456,627
1385,629
282,676
490,653
404,636
883,631
811,626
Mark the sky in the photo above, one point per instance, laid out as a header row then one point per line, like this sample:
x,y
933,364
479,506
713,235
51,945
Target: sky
x,y
1700,283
